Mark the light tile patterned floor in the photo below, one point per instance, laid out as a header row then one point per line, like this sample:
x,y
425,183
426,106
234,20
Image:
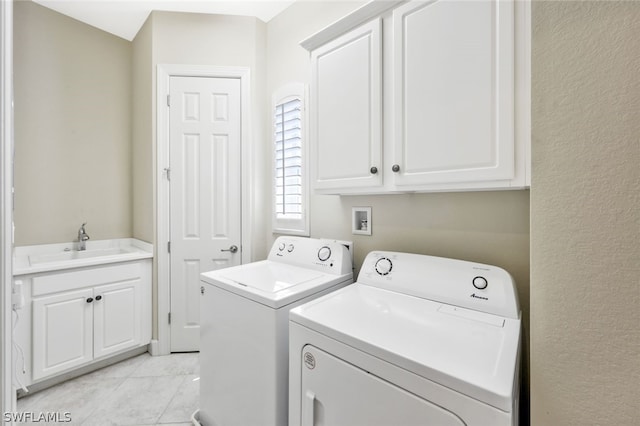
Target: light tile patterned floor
x,y
143,390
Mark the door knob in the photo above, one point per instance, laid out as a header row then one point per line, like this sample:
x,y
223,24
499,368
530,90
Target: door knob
x,y
232,249
395,168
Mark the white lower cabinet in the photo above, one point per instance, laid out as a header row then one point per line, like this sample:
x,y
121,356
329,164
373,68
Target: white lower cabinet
x,y
116,318
81,316
62,332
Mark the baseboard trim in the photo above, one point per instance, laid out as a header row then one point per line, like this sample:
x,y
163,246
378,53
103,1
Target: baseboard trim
x,y
35,387
154,347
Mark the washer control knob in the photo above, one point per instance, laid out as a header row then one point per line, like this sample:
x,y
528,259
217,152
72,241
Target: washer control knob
x,y
480,283
383,266
290,248
324,253
281,246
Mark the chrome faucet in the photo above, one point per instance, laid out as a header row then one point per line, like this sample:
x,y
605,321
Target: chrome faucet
x,y
82,238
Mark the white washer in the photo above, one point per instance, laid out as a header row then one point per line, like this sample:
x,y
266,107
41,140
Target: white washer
x,y
416,340
244,328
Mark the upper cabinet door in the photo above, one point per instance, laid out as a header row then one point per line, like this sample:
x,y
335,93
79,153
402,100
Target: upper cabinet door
x,y
453,92
346,120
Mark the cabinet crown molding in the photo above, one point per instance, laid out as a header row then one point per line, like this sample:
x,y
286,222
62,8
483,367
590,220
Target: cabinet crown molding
x,y
356,18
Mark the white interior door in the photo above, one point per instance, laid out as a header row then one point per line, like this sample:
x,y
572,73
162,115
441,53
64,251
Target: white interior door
x,y
205,198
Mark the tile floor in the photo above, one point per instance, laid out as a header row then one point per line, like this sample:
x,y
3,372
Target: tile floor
x,y
143,390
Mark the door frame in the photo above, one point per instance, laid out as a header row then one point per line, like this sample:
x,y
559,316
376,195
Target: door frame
x,y
163,77
7,395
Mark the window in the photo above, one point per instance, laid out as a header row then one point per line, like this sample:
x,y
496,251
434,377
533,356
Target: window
x,y
290,214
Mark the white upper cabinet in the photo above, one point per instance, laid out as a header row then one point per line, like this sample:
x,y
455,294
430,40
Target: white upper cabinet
x,y
346,122
454,107
453,92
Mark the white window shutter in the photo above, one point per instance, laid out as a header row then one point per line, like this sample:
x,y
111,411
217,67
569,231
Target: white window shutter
x,y
289,166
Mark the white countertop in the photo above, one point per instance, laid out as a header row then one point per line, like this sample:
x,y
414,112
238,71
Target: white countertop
x,y
54,257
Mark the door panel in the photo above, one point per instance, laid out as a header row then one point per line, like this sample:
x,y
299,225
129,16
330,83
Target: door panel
x,y
191,269
220,197
62,332
336,393
454,92
205,213
117,322
346,122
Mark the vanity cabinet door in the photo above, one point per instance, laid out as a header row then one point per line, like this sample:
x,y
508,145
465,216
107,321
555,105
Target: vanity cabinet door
x,y
117,317
346,116
62,332
453,93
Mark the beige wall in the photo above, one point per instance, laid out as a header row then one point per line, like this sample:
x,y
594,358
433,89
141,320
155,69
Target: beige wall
x,y
487,227
73,163
142,135
232,41
585,226
192,39
482,226
72,129
287,60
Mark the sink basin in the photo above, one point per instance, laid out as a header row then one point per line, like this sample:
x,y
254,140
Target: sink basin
x,y
75,254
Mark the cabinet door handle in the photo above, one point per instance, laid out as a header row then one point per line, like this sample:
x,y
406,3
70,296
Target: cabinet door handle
x,y
89,300
373,170
395,168
98,297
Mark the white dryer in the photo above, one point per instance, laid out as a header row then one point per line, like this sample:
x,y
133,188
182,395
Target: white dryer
x,y
417,340
244,314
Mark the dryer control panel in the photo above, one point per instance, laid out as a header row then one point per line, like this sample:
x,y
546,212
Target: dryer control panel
x,y
322,255
469,285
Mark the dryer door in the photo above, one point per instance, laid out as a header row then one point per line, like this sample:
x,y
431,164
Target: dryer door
x,y
337,393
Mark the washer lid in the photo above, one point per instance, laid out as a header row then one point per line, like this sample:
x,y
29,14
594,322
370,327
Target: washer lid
x,y
471,352
272,283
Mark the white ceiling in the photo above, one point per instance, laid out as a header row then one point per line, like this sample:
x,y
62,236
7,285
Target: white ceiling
x,y
125,17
